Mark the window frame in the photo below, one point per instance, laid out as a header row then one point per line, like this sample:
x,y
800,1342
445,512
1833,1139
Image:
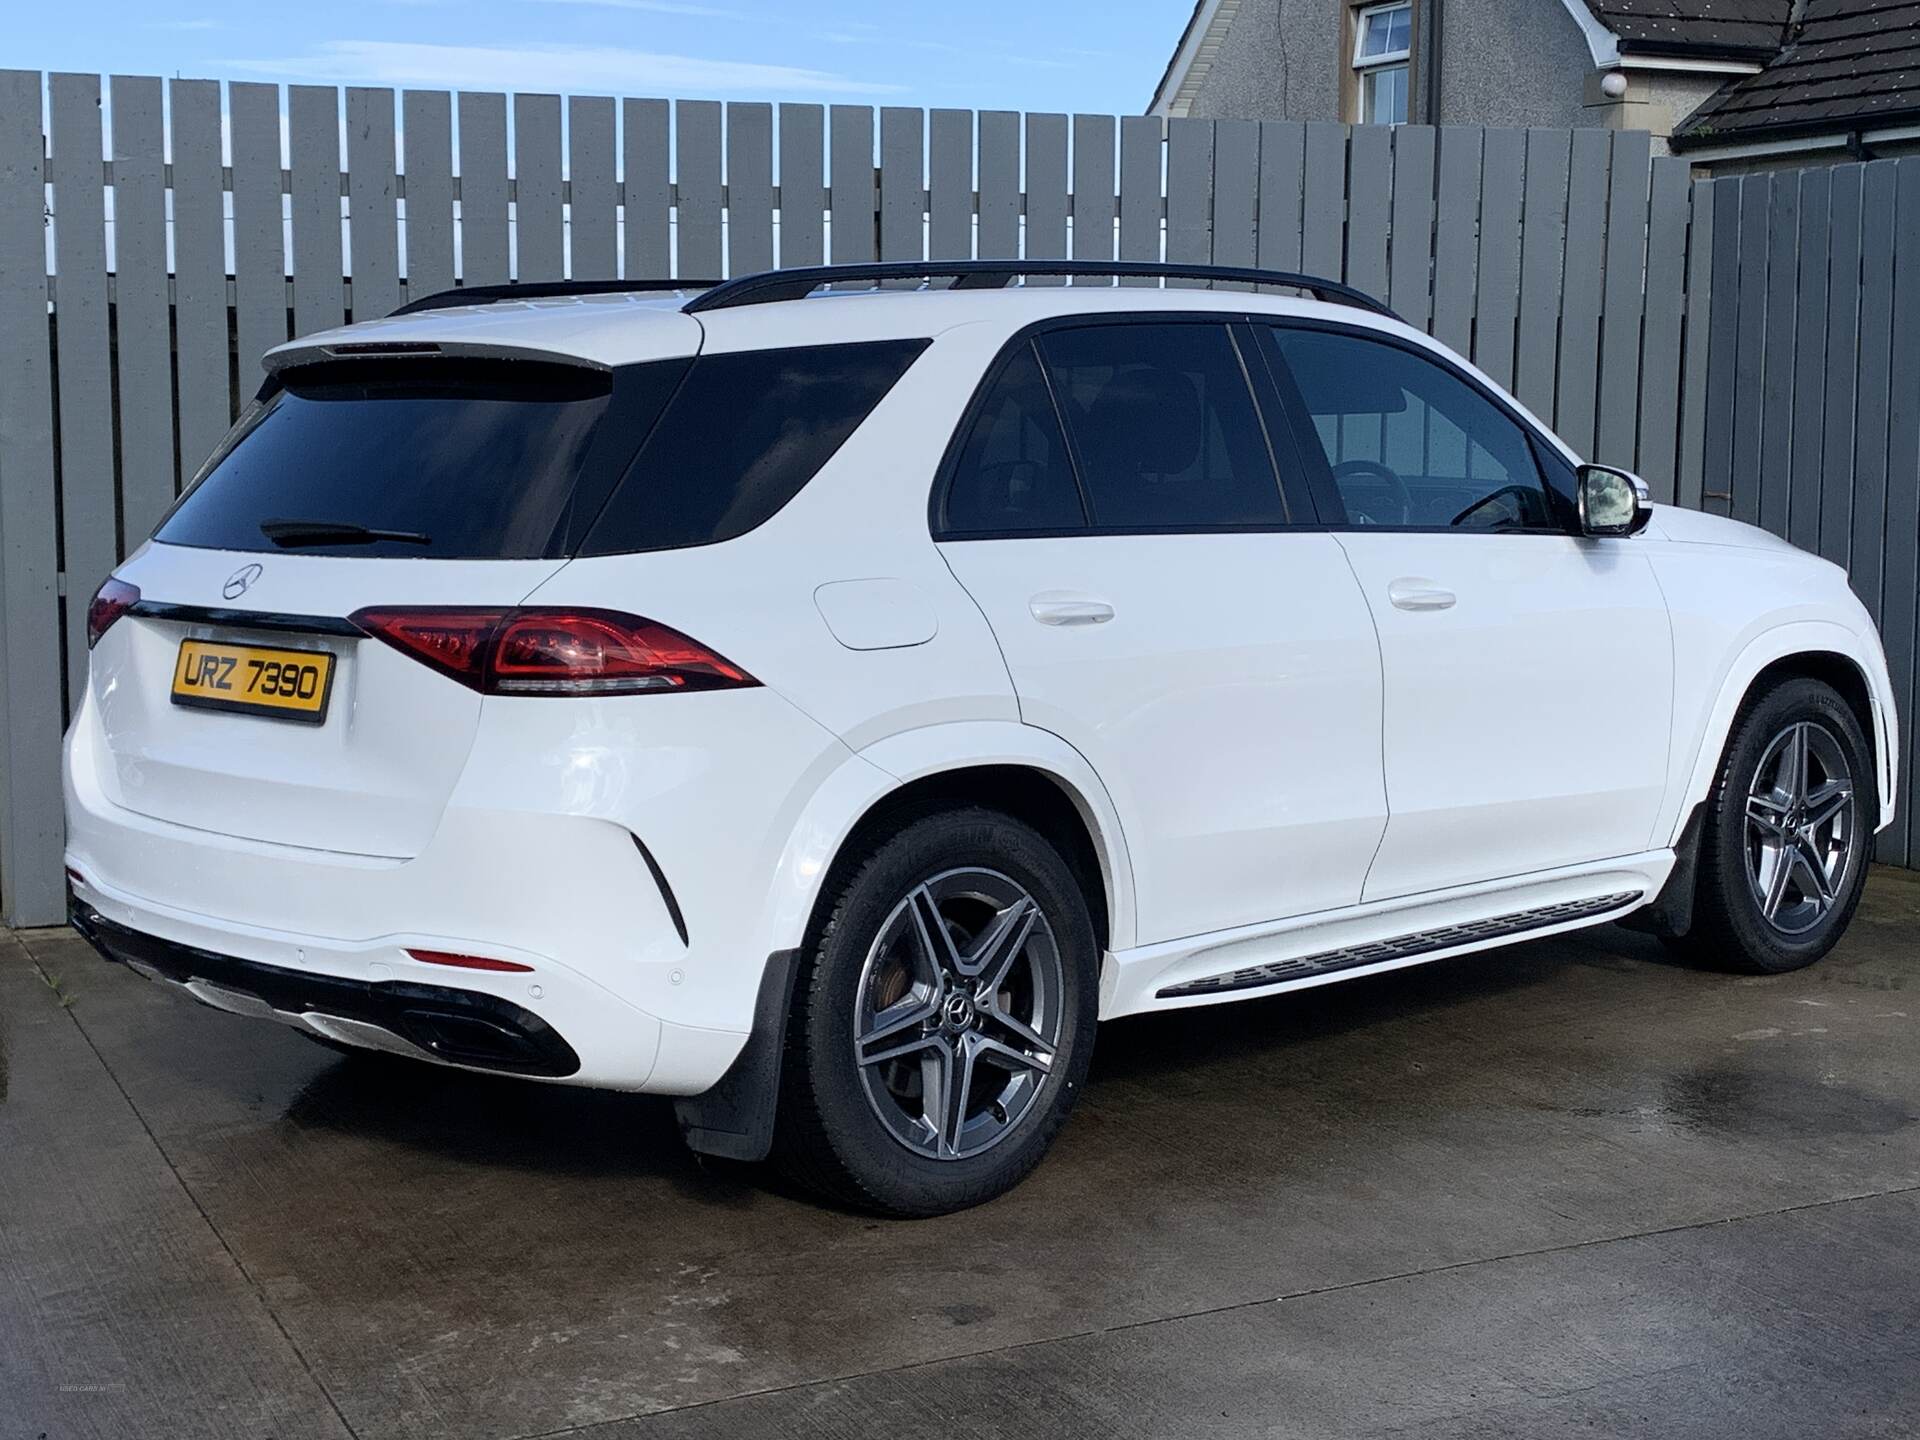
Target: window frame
x,y
1556,474
1285,464
1360,68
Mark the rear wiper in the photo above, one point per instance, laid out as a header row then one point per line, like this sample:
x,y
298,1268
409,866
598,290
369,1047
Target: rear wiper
x,y
291,534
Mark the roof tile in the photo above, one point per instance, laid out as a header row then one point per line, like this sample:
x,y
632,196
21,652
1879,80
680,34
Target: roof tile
x,y
1717,27
1850,63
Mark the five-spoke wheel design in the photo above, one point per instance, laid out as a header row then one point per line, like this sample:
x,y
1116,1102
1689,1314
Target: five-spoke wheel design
x,y
958,1012
1802,827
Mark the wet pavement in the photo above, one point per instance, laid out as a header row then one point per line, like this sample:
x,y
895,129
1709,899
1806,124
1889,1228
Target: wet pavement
x,y
1569,1187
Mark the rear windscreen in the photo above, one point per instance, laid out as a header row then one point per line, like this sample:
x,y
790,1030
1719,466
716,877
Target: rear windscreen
x,y
467,460
519,460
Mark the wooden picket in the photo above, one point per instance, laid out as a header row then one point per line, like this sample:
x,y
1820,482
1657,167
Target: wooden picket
x,y
1657,321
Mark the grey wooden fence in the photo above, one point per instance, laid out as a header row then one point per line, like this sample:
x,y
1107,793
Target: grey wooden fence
x,y
1812,408
145,266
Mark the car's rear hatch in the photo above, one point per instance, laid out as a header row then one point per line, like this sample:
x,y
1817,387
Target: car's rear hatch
x,y
371,777
396,481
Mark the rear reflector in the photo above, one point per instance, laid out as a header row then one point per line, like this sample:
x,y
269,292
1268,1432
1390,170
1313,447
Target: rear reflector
x,y
551,651
112,600
467,962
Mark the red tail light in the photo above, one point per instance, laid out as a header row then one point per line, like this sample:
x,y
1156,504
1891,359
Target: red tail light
x,y
538,651
110,602
454,642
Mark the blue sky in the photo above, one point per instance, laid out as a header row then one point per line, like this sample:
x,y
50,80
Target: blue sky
x,y
985,54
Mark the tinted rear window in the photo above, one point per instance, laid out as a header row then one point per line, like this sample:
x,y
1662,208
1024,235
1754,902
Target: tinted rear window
x,y
1164,425
1013,476
493,461
741,437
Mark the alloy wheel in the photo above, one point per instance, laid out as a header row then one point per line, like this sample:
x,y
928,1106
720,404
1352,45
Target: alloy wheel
x,y
1802,827
958,1013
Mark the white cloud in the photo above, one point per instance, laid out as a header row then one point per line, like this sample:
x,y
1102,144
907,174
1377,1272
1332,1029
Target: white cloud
x,y
183,24
571,69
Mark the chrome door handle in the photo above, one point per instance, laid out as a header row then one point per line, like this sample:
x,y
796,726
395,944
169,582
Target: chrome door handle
x,y
1415,594
1057,609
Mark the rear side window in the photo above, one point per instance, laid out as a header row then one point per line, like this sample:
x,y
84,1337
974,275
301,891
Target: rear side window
x,y
1013,475
741,437
493,460
1164,425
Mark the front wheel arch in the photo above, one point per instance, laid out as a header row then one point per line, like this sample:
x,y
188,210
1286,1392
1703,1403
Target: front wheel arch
x,y
1818,650
1734,924
1842,673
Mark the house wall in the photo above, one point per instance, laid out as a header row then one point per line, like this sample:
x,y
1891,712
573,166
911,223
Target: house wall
x,y
1656,101
1502,62
1512,62
1831,152
1278,61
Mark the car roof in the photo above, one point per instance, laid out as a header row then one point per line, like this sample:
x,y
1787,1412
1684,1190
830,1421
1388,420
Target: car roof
x,y
607,330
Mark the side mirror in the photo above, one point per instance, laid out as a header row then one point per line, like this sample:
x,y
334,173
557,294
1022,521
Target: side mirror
x,y
1613,502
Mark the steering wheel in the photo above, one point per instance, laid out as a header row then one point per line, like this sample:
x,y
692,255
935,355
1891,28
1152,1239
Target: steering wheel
x,y
1395,487
1521,494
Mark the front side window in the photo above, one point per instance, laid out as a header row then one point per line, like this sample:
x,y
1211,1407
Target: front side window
x,y
1163,426
1409,443
1382,56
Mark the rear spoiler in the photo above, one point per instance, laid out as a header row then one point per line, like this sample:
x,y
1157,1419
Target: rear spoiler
x,y
321,351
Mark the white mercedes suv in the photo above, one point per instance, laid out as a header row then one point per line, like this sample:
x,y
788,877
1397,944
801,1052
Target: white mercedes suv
x,y
824,696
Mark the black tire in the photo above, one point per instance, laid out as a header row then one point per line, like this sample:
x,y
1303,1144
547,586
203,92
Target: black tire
x,y
1730,928
839,1128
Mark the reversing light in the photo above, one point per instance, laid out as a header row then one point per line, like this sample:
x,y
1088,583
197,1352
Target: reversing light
x,y
112,600
468,962
553,651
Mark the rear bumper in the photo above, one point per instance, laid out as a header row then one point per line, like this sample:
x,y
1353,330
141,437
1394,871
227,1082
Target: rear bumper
x,y
640,858
570,897
437,1022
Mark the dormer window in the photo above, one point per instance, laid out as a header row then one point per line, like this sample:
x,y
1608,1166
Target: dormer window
x,y
1382,52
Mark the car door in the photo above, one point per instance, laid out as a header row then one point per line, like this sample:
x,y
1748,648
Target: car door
x,y
1113,507
1527,670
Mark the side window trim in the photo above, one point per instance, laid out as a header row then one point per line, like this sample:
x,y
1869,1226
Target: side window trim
x,y
1089,521
1299,516
1280,409
1320,472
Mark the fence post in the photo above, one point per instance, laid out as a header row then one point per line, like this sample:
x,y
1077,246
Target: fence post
x,y
31,829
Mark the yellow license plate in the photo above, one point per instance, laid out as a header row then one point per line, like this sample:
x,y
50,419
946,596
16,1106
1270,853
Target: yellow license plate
x,y
254,680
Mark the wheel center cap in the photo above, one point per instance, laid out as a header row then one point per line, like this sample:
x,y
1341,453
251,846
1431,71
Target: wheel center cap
x,y
958,1012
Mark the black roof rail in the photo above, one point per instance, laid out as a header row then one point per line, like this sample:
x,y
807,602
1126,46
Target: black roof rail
x,y
796,284
543,290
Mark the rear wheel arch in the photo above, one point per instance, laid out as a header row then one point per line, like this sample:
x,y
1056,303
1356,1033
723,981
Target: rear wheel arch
x,y
854,815
1039,798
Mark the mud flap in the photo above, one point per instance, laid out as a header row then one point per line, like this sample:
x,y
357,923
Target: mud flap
x,y
734,1120
1671,913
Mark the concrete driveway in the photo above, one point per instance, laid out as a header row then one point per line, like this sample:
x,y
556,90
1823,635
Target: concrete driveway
x,y
1566,1188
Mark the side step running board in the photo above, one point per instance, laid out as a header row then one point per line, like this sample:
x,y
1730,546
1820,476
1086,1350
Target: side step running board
x,y
1421,942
